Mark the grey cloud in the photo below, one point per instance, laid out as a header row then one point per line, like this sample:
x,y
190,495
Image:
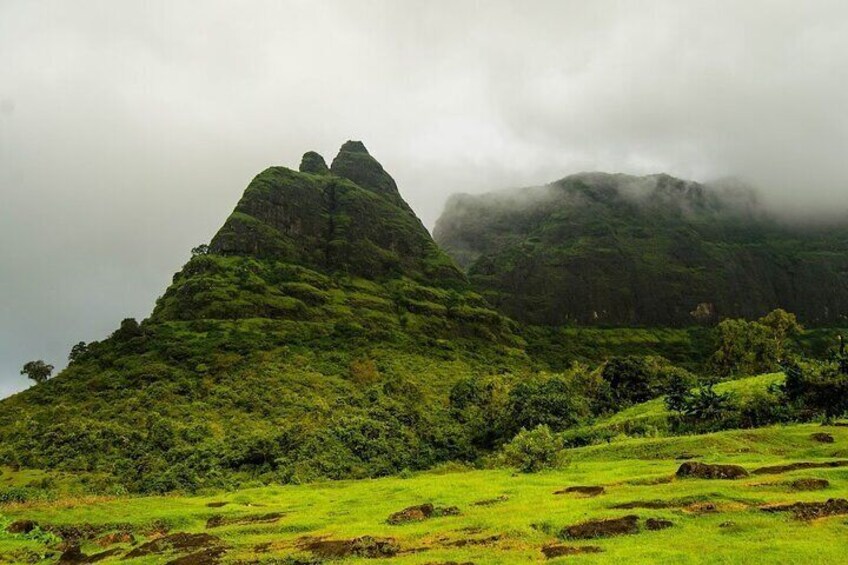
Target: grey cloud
x,y
128,130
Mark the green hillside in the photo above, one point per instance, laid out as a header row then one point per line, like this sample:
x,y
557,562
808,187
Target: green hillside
x,y
316,336
617,250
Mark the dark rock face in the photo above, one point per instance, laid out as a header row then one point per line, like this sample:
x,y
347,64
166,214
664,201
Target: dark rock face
x,y
355,164
352,221
599,249
704,471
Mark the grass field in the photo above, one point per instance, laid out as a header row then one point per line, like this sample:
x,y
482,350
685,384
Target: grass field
x,y
503,517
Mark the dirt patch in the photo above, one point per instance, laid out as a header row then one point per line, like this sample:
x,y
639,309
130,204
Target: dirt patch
x,y
365,546
21,527
656,524
116,537
812,510
688,502
685,456
218,520
450,563
420,513
809,484
702,508
78,532
218,504
822,437
602,528
584,490
775,469
650,504
465,542
75,555
491,501
210,556
179,542
704,471
557,550
649,482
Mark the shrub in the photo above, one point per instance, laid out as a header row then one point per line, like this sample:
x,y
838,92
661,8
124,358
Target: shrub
x,y
534,450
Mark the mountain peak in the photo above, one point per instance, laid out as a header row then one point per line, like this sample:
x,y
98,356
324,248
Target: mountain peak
x,y
313,163
352,146
355,164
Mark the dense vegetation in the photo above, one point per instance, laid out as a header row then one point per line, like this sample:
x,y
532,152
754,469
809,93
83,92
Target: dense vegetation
x,y
323,334
616,250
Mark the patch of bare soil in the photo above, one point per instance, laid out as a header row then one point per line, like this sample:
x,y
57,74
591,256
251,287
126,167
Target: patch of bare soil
x,y
775,469
420,513
685,456
651,481
812,510
809,484
75,555
464,542
365,546
650,504
491,501
705,471
209,556
558,550
218,520
822,437
584,490
179,542
21,527
602,528
218,504
114,538
656,524
702,508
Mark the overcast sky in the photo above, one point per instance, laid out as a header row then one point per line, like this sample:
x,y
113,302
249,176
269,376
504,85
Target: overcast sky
x,y
128,130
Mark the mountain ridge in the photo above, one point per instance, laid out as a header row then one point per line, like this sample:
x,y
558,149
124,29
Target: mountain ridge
x,y
612,249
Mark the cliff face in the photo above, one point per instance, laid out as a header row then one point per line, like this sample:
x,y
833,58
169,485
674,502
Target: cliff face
x,y
598,249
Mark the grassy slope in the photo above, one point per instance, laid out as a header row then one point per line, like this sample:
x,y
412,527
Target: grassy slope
x,y
531,516
653,415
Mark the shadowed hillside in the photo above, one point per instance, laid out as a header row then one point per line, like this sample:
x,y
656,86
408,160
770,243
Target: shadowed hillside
x,y
605,249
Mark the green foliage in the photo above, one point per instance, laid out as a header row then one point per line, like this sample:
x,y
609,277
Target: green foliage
x,y
535,450
38,371
745,347
817,388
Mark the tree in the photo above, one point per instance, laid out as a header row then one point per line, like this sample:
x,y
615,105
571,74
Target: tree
x,y
77,351
783,327
677,395
39,371
129,329
631,380
707,405
201,249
